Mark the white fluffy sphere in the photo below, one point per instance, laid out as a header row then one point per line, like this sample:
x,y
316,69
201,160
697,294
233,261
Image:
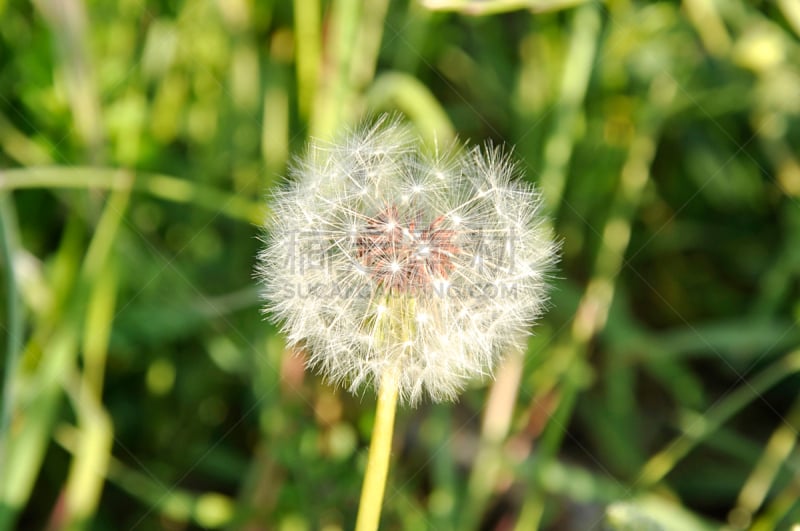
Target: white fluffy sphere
x,y
382,256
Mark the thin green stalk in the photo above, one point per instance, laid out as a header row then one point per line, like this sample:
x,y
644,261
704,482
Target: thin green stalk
x,y
307,40
489,461
585,30
547,448
14,328
209,510
398,90
697,428
594,305
331,109
69,24
765,473
791,12
158,185
368,43
369,509
90,459
275,124
28,445
494,7
781,505
98,282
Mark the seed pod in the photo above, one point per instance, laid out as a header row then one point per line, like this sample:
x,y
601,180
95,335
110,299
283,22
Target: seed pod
x,y
384,256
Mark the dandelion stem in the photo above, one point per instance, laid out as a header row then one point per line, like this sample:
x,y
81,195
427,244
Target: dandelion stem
x,y
369,509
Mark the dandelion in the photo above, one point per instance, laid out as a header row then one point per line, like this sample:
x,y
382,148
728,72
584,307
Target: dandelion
x,y
405,269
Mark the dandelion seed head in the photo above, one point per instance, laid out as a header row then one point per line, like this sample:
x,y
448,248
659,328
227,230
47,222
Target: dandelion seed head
x,y
381,256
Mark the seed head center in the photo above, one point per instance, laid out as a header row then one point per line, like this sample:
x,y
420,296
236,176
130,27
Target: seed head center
x,y
400,255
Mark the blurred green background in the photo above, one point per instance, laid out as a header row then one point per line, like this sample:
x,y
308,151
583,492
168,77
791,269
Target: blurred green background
x,y
142,388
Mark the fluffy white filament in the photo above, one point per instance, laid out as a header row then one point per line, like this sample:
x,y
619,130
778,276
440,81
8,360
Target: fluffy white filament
x,y
382,256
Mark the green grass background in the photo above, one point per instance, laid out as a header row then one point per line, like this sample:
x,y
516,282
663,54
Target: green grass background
x,y
143,390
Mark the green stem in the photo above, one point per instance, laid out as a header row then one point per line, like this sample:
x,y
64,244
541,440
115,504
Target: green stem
x,y
332,109
157,185
698,428
595,303
307,29
369,509
586,26
8,234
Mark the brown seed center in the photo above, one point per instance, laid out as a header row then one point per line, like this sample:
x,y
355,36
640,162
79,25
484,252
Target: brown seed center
x,y
401,256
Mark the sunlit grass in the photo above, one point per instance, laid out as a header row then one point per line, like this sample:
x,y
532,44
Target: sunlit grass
x,y
143,390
